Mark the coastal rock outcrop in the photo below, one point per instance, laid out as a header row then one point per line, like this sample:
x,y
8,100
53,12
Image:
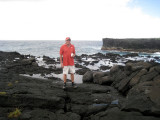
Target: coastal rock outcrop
x,y
139,82
131,44
88,77
124,92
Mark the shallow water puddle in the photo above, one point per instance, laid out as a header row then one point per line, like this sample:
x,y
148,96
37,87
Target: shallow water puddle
x,y
78,78
114,102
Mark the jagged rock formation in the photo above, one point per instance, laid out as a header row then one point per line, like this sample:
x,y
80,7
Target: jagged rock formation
x,y
130,44
138,81
136,95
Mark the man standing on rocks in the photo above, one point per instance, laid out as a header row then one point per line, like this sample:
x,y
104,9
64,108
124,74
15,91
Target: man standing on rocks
x,y
67,50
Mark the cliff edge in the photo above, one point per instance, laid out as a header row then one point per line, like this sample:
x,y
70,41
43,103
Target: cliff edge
x,y
131,44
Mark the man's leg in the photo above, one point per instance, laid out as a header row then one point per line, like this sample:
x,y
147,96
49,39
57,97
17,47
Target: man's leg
x,y
65,79
72,70
72,77
65,71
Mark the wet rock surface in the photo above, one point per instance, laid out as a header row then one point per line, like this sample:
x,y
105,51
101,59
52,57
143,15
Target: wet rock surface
x,y
124,92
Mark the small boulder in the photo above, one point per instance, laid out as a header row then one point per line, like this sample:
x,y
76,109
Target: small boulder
x,y
28,61
135,80
88,77
98,75
107,80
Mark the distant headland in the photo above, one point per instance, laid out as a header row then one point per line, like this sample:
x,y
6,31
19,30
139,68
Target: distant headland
x,y
132,44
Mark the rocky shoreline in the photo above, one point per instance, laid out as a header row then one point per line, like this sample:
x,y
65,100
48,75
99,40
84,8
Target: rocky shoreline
x,y
110,90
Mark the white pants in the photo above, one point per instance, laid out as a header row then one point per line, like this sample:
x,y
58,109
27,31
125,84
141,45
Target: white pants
x,y
68,69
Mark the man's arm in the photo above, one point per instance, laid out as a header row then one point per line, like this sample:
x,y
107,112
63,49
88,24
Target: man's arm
x,y
61,62
74,53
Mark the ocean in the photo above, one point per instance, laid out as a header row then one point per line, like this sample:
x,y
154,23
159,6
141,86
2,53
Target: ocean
x,y
51,47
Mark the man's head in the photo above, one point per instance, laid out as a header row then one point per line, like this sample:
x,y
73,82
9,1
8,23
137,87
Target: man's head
x,y
68,40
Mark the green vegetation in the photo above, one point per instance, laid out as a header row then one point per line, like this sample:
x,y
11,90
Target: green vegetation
x,y
15,113
3,93
10,84
16,81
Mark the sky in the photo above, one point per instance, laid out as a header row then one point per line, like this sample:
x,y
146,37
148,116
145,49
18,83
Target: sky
x,y
79,19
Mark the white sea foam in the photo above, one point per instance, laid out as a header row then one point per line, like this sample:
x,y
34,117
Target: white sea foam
x,y
156,53
41,62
